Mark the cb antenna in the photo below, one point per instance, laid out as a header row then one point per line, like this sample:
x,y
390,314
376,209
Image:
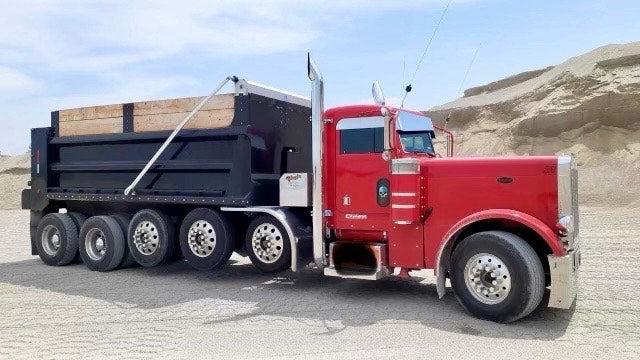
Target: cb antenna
x,y
464,80
408,88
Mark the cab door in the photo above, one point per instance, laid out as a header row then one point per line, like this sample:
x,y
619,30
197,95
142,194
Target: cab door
x,y
361,175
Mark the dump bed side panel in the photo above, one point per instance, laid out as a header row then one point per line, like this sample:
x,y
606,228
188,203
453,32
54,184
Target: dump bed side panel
x,y
238,164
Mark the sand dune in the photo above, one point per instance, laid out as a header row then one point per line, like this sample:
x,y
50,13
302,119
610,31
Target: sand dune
x,y
588,106
14,175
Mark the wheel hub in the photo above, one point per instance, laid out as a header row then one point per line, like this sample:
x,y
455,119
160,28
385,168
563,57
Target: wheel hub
x,y
146,237
267,243
202,238
487,278
95,244
51,240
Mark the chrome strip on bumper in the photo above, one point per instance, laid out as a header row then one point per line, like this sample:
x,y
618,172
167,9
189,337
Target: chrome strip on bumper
x,y
564,278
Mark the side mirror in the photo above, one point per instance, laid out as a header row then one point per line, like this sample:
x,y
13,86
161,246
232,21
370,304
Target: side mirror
x,y
378,95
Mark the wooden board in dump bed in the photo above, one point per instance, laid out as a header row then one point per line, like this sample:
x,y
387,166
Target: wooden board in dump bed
x,y
155,115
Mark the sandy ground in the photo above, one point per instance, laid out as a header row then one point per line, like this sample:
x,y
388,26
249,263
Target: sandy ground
x,y
176,312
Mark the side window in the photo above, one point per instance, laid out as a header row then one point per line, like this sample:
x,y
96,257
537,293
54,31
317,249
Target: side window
x,y
379,140
362,135
357,141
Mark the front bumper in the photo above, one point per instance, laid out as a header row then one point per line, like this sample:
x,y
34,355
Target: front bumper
x,y
564,278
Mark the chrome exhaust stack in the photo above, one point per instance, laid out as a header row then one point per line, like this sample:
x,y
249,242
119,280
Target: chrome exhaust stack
x,y
317,129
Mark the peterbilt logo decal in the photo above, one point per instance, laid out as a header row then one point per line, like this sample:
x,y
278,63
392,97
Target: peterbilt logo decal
x,y
356,216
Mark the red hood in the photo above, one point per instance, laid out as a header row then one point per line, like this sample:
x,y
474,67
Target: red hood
x,y
457,187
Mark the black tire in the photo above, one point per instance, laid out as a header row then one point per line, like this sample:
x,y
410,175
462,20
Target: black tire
x,y
270,251
155,242
123,221
525,279
108,230
211,248
79,220
57,239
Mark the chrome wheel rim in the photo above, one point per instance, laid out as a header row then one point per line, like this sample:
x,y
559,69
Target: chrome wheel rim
x,y
487,278
267,243
202,238
95,244
146,237
51,240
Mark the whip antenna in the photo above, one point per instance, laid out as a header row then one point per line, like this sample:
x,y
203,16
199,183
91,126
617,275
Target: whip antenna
x,y
464,80
407,89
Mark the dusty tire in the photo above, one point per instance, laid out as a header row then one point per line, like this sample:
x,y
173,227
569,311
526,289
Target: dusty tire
x,y
102,243
57,239
267,244
151,238
497,276
206,239
123,221
79,220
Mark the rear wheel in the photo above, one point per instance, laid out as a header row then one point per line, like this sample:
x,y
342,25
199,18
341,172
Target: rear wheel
x,y
497,276
57,239
151,238
206,239
79,220
102,243
267,244
123,221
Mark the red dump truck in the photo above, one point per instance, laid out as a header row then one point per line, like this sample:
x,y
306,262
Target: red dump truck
x,y
356,191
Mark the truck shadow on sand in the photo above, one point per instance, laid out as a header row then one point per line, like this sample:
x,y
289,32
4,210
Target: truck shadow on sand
x,y
307,296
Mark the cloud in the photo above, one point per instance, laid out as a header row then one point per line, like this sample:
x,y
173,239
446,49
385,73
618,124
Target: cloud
x,y
122,88
94,36
15,82
74,35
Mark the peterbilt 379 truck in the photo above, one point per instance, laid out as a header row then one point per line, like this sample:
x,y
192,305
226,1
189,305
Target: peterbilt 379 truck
x,y
356,191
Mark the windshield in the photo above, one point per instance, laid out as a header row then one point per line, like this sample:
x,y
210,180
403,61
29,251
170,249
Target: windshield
x,y
417,142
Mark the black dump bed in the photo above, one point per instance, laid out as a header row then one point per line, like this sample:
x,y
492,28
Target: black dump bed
x,y
235,165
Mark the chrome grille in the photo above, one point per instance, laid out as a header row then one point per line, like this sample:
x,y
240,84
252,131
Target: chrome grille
x,y
568,197
574,201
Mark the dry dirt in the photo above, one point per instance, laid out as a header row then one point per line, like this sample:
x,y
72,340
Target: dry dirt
x,y
175,312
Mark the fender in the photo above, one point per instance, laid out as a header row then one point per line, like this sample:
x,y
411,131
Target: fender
x,y
549,236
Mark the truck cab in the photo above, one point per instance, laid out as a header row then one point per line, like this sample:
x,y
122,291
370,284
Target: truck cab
x,y
502,229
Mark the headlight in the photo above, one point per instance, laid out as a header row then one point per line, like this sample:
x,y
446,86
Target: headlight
x,y
565,225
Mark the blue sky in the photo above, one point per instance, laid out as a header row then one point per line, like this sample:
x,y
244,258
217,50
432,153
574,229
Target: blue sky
x,y
71,53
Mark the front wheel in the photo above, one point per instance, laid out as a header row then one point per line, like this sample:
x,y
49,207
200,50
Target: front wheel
x,y
497,276
268,245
